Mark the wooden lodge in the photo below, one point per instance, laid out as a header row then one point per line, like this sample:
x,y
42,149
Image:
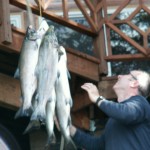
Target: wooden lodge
x,y
102,18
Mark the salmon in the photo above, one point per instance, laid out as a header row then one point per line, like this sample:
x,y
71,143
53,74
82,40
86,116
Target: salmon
x,y
26,71
46,72
63,97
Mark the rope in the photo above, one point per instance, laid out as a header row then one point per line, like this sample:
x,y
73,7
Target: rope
x,y
40,1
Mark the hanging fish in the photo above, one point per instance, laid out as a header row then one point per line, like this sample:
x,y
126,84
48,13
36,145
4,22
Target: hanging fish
x,y
50,114
27,63
26,71
46,72
63,97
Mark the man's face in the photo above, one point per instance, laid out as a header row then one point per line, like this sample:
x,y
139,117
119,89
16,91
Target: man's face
x,y
122,82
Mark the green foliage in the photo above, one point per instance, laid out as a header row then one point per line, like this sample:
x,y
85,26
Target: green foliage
x,y
120,46
73,39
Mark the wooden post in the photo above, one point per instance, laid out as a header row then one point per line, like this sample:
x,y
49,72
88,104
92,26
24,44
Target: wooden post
x,y
99,43
5,26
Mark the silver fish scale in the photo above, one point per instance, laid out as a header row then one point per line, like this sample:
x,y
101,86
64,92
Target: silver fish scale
x,y
63,97
46,73
27,63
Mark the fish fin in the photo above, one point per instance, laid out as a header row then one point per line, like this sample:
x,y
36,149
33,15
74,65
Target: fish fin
x,y
18,113
58,74
37,45
51,140
21,112
36,71
60,52
69,145
69,121
33,125
35,96
69,101
68,74
16,75
34,100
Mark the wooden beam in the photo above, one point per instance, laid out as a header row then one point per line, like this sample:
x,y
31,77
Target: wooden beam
x,y
49,15
9,92
126,57
92,11
116,3
5,27
40,3
136,11
144,7
100,50
121,6
65,8
89,19
81,119
135,28
80,101
106,87
90,5
17,39
123,35
78,63
83,65
99,6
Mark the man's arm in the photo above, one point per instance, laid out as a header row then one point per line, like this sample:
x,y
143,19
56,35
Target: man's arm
x,y
129,112
87,141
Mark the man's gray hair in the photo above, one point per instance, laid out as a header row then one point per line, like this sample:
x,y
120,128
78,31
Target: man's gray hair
x,y
144,83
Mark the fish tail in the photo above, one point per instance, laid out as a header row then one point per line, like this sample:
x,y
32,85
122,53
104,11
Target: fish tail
x,y
33,125
69,145
66,135
38,114
51,140
18,113
69,122
21,112
16,75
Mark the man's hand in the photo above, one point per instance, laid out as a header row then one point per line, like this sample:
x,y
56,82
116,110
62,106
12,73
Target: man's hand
x,y
72,130
92,91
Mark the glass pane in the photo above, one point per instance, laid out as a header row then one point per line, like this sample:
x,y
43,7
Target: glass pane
x,y
121,46
125,67
73,39
142,20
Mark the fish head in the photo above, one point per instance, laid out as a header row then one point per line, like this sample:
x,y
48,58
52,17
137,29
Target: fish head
x,y
51,37
31,34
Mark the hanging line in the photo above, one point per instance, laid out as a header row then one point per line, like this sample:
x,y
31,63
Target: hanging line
x,y
40,6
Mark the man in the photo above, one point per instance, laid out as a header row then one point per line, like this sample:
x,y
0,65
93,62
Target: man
x,y
128,127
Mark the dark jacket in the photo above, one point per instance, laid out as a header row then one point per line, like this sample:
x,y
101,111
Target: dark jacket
x,y
127,129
